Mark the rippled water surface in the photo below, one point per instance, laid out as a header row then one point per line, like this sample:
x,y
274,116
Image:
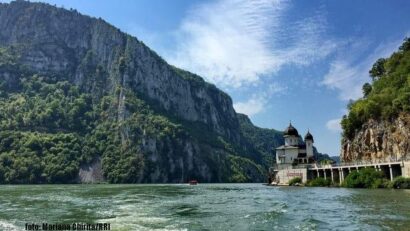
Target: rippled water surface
x,y
206,207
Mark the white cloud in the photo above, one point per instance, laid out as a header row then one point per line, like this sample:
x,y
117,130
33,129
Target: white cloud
x,y
259,101
346,78
334,125
347,73
235,42
276,88
253,106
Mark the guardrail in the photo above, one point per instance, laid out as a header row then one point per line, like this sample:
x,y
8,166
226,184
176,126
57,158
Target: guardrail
x,y
342,164
290,166
362,162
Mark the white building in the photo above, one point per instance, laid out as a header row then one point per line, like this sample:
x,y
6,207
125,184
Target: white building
x,y
294,151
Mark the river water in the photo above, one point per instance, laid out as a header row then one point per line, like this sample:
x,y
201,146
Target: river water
x,y
205,207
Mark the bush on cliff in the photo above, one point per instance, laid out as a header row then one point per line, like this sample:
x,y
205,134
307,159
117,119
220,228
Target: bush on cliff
x,y
365,178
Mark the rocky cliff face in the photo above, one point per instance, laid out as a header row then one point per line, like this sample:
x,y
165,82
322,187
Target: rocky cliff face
x,y
91,103
72,45
379,140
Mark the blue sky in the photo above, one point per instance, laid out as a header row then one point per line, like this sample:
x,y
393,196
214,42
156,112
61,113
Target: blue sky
x,y
279,60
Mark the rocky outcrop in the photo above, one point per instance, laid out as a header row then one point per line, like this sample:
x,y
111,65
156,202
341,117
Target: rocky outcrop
x,y
91,173
379,140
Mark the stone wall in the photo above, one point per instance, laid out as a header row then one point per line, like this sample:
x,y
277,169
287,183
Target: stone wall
x,y
285,175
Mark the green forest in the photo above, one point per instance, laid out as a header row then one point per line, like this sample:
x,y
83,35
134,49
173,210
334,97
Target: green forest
x,y
386,96
50,127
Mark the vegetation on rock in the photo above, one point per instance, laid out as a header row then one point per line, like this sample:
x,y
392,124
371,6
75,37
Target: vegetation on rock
x,y
386,97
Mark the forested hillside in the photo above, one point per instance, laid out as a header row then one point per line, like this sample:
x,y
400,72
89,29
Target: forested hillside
x,y
78,95
378,125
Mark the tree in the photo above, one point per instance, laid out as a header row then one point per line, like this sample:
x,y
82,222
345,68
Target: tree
x,y
406,45
367,88
378,69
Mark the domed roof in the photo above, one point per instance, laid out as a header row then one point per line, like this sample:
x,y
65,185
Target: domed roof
x,y
291,131
308,136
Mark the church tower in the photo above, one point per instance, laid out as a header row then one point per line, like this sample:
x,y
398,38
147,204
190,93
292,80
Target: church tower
x,y
309,144
291,136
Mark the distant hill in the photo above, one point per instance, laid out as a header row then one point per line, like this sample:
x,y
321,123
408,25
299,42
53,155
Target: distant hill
x,y
336,159
263,140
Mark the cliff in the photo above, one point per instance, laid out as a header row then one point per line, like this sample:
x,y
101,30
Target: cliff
x,y
82,101
377,126
69,44
379,140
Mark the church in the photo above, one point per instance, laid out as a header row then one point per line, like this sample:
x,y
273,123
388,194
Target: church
x,y
295,151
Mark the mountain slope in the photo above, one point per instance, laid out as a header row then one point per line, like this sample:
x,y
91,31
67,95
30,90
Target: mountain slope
x,y
81,99
263,140
78,48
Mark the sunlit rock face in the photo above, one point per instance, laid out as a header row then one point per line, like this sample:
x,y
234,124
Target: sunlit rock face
x,y
379,140
73,45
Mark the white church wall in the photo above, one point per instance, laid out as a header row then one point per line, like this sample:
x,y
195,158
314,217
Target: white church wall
x,y
291,154
278,154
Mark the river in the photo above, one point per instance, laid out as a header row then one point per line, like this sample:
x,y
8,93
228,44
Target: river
x,y
205,207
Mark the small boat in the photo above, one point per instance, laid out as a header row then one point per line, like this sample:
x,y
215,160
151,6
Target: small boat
x,y
193,182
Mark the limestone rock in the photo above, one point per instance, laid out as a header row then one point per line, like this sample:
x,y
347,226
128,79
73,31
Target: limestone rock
x,y
379,140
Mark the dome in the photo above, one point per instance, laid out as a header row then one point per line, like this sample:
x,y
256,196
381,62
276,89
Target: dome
x,y
291,131
308,136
